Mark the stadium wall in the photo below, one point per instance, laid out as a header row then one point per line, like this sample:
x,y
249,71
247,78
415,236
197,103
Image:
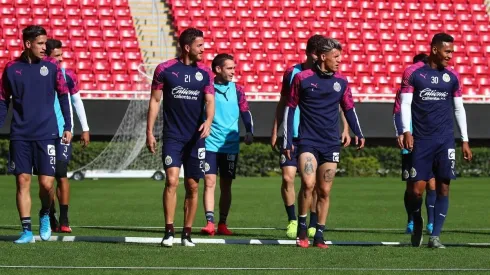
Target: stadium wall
x,y
104,117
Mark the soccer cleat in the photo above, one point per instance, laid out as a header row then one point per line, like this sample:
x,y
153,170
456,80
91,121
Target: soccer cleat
x,y
417,236
435,242
302,239
311,232
292,229
53,223
25,237
44,227
168,239
304,243
186,241
64,228
208,229
223,230
430,227
409,229
320,243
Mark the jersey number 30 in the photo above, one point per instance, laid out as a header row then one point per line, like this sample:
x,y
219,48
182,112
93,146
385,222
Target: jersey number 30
x,y
434,80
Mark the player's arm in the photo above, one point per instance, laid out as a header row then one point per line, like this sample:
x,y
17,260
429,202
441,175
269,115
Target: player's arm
x,y
64,99
460,114
5,93
154,107
245,114
345,132
77,102
397,121
279,114
291,104
347,105
406,97
205,128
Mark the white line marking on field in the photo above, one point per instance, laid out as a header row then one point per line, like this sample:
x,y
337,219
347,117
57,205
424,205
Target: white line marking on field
x,y
250,228
238,268
155,240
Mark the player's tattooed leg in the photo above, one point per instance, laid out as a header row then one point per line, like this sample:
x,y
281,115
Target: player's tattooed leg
x,y
329,175
309,166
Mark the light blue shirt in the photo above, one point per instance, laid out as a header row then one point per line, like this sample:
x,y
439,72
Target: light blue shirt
x,y
225,136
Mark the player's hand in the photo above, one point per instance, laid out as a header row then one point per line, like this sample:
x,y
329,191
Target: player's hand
x,y
151,143
205,129
400,141
346,139
249,138
274,142
360,144
287,152
408,141
66,138
85,139
467,154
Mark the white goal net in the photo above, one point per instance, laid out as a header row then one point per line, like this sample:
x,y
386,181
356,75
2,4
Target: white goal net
x,y
126,156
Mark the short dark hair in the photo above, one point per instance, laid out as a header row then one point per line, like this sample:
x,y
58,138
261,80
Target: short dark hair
x,y
421,57
52,44
31,32
188,36
440,38
313,42
325,45
219,60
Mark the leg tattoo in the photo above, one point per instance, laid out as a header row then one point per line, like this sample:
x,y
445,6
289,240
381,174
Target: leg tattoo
x,y
329,175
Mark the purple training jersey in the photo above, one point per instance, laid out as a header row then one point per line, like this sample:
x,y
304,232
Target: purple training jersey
x,y
432,104
32,87
184,87
318,97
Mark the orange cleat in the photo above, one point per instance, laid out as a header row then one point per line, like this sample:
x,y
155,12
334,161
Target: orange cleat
x,y
304,243
320,244
64,229
208,229
223,230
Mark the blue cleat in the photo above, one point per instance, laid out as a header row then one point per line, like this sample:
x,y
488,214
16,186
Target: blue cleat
x,y
25,237
44,227
409,227
430,228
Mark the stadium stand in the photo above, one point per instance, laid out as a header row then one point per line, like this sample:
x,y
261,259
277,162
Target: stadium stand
x,y
380,38
98,36
265,36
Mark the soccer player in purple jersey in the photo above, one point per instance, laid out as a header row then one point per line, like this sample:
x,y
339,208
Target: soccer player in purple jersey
x,y
428,93
289,167
64,151
32,82
430,198
318,92
185,88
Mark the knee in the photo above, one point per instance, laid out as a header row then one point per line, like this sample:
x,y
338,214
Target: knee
x,y
443,190
287,180
323,191
192,188
308,185
23,180
210,184
172,182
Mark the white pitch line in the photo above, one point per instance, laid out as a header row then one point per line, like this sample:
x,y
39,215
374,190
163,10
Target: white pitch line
x,y
237,268
251,228
155,240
